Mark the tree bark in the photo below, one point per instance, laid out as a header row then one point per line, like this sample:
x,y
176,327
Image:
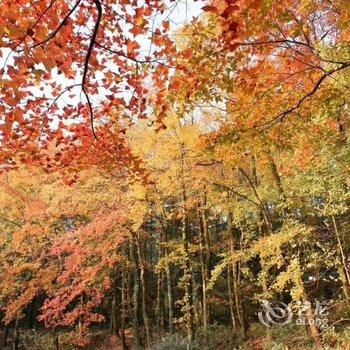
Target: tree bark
x,y
187,277
160,289
236,280
170,299
187,280
5,336
203,273
169,287
143,291
136,294
123,312
15,345
231,299
113,317
345,271
315,333
205,262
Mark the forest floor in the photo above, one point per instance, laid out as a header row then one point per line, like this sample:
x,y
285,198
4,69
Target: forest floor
x,y
103,341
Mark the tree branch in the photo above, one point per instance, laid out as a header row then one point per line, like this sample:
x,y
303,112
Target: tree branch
x,y
87,61
53,34
280,117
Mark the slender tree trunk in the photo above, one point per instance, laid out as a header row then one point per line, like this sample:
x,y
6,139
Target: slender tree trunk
x,y
136,294
205,261
113,316
238,299
123,312
80,319
315,333
129,291
309,313
169,288
160,290
31,314
231,299
207,242
203,273
187,277
5,336
160,302
143,292
196,303
15,345
236,281
345,271
187,280
170,299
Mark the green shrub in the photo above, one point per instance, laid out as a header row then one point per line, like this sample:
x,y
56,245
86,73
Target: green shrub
x,y
217,337
173,342
33,340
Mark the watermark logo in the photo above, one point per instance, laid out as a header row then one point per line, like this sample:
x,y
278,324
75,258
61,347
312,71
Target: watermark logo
x,y
277,313
301,313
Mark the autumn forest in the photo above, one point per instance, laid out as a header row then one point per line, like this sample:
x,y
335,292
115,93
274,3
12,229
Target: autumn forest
x,y
174,175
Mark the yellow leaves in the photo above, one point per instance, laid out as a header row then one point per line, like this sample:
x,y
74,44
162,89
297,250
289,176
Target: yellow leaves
x,y
138,206
292,233
292,276
4,185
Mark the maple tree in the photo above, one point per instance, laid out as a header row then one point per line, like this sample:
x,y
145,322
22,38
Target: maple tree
x,y
53,51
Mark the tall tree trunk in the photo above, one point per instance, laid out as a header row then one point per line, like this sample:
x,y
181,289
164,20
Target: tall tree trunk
x,y
31,314
236,280
113,316
187,280
80,319
345,275
314,331
143,291
160,302
169,287
203,274
309,313
205,260
15,345
231,299
5,336
187,277
123,312
160,289
136,295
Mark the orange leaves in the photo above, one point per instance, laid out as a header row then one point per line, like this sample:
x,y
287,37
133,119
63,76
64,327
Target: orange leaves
x,y
51,50
132,47
35,209
210,8
88,253
82,227
139,16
